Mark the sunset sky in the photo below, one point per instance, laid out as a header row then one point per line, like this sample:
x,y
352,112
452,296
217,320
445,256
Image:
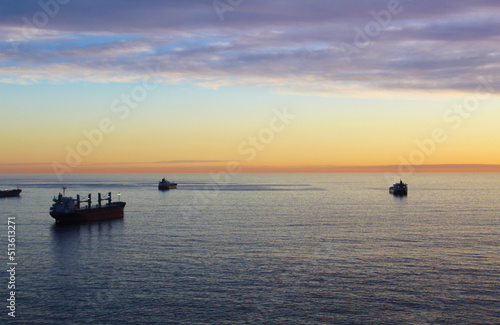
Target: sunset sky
x,y
188,86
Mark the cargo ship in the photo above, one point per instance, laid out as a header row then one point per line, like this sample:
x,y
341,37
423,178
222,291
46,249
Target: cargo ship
x,y
166,185
10,193
399,188
68,210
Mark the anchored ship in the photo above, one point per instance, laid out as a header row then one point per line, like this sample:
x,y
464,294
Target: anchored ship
x,y
399,188
68,210
10,193
166,185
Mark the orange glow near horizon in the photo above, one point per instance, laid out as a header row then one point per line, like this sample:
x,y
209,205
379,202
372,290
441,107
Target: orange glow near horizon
x,y
191,136
242,168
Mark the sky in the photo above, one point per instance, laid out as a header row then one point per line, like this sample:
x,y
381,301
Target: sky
x,y
249,85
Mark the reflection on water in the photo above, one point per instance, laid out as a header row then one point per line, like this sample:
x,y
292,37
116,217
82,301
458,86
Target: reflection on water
x,y
60,230
399,197
73,234
328,249
10,198
71,242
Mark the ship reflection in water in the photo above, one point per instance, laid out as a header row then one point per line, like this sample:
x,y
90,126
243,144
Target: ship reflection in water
x,y
66,235
72,242
85,261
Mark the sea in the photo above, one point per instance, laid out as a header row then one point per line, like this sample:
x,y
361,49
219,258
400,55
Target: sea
x,y
255,249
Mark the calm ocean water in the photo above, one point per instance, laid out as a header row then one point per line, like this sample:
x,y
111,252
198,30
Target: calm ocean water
x,y
263,249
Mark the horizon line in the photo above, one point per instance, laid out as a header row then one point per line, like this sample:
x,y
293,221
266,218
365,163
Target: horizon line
x,y
43,168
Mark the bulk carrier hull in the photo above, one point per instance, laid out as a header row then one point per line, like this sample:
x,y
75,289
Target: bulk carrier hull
x,y
106,212
167,187
398,192
10,193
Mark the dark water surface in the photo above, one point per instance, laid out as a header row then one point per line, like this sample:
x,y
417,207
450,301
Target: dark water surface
x,y
263,249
